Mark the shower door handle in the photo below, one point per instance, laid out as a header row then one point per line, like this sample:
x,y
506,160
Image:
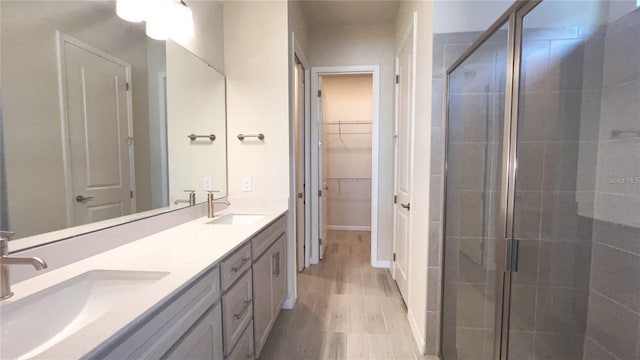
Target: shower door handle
x,y
513,250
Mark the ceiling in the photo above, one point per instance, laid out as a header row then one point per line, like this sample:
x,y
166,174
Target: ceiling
x,y
355,12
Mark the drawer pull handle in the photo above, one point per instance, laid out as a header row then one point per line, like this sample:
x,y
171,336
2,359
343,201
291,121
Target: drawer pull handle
x,y
237,266
244,309
276,264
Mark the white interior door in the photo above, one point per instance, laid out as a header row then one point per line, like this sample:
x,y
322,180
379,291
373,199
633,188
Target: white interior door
x,y
98,134
402,205
299,132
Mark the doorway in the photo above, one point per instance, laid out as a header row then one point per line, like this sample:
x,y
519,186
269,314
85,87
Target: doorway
x,y
344,163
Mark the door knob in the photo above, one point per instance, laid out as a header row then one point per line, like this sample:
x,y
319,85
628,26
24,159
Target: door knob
x,y
82,199
406,206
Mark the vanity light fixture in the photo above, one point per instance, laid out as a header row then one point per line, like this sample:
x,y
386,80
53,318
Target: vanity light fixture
x,y
132,10
159,20
165,18
183,22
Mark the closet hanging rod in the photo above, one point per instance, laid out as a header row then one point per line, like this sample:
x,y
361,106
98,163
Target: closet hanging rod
x,y
347,122
349,179
349,133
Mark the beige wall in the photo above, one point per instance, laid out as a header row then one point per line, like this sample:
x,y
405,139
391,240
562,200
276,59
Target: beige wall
x,y
298,24
31,111
196,106
347,148
419,227
367,45
256,65
208,40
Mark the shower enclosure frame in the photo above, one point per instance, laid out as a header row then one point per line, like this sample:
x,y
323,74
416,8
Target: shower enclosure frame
x,y
507,244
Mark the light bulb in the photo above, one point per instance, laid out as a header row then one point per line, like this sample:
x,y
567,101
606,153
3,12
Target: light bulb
x,y
159,20
182,23
132,10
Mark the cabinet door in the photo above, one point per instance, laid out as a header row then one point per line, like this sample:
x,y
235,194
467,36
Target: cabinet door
x,y
203,340
262,314
278,276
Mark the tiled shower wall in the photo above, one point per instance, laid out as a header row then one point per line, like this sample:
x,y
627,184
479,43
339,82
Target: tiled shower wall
x,y
577,294
613,322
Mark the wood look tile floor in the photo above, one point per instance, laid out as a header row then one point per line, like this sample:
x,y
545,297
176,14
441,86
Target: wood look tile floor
x,y
345,310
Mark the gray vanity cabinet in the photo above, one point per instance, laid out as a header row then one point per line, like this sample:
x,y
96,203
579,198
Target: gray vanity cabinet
x,y
269,282
203,340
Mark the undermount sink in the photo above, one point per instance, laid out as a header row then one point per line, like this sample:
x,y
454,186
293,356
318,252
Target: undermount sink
x,y
33,324
237,219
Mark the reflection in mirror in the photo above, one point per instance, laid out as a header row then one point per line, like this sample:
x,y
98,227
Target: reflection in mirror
x,y
196,126
85,100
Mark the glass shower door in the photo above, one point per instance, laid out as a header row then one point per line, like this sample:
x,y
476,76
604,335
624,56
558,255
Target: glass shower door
x,y
476,92
575,285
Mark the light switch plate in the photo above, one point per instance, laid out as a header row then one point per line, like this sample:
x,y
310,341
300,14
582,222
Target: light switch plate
x,y
207,183
246,184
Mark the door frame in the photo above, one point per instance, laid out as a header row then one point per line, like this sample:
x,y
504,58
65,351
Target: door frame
x,y
298,54
61,39
316,72
296,51
410,30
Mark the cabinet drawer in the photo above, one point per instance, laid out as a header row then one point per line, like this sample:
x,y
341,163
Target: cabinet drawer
x,y
237,311
244,348
264,239
203,340
164,327
234,265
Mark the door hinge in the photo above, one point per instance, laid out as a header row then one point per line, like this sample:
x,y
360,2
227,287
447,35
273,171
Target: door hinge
x,y
131,193
319,93
397,79
395,199
127,86
319,193
394,256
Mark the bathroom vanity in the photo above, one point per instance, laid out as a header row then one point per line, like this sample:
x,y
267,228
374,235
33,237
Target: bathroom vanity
x,y
210,288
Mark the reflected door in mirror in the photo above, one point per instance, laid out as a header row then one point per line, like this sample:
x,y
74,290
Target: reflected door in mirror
x,y
98,122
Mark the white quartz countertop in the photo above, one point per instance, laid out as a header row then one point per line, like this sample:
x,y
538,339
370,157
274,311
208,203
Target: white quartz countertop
x,y
184,251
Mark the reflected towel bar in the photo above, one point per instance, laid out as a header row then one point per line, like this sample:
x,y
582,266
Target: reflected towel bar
x,y
241,137
193,137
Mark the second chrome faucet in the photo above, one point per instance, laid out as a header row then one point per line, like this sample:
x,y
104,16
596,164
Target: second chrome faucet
x,y
211,201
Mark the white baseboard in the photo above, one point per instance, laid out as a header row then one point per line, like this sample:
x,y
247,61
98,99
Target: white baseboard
x,y
419,339
349,227
289,303
381,264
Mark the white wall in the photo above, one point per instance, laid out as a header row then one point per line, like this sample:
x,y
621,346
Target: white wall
x,y
367,45
196,106
347,149
208,40
419,227
256,65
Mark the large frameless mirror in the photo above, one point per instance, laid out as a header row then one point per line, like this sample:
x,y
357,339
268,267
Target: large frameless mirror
x,y
97,121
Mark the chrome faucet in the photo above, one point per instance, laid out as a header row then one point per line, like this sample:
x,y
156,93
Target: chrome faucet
x,y
6,260
211,202
191,201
